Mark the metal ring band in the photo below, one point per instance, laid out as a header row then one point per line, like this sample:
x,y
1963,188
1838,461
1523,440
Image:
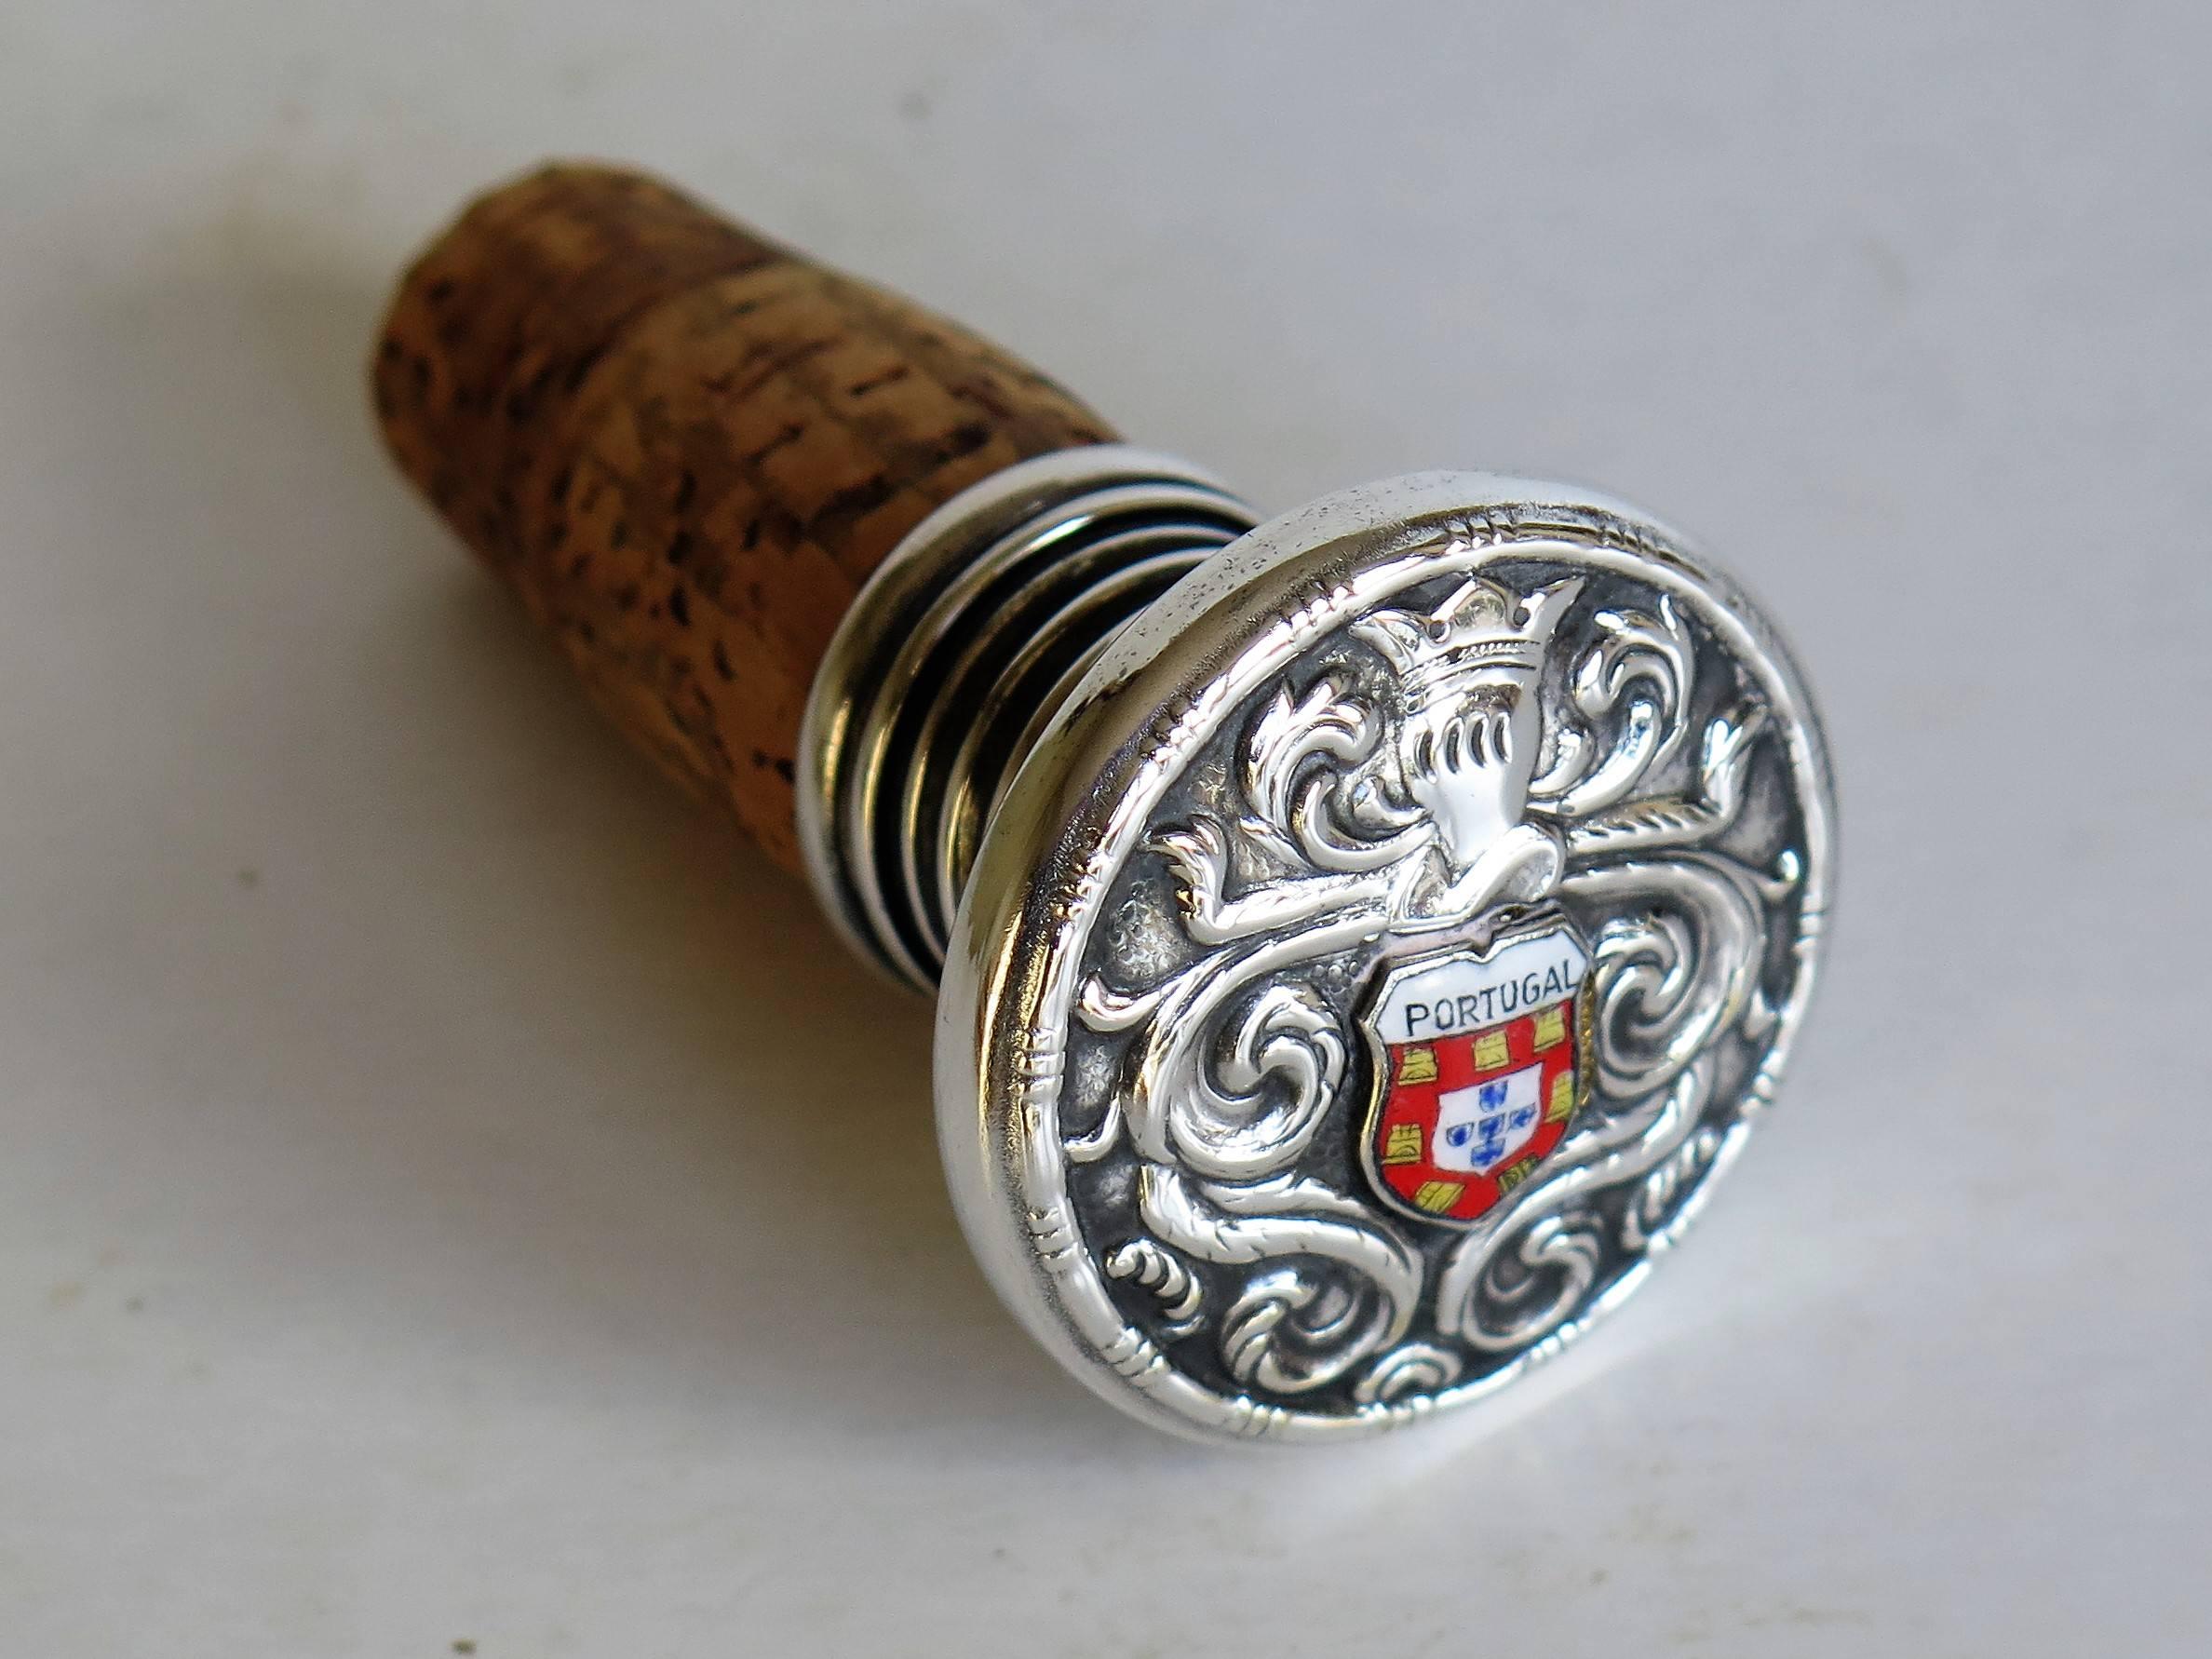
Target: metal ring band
x,y
951,662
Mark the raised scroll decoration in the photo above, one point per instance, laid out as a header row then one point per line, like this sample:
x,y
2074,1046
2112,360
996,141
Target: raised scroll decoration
x,y
1390,792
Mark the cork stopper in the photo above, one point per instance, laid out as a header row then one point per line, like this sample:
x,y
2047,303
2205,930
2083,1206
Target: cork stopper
x,y
685,448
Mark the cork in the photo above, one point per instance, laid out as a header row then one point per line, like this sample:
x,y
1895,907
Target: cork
x,y
684,448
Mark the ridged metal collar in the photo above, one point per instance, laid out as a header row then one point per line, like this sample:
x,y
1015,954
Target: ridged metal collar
x,y
957,650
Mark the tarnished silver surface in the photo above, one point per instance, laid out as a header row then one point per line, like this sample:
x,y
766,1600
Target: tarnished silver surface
x,y
1399,731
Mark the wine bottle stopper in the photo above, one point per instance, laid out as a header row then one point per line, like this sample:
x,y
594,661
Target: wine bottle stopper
x,y
1361,940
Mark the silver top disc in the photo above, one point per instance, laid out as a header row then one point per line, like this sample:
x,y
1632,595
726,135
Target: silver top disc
x,y
1375,962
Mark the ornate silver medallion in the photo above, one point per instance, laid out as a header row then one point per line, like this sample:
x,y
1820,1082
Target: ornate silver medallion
x,y
1375,962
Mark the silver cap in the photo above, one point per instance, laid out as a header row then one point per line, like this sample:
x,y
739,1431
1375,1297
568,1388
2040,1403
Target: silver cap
x,y
1374,949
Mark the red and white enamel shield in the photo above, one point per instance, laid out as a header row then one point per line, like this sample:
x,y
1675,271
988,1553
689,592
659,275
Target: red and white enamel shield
x,y
1479,1065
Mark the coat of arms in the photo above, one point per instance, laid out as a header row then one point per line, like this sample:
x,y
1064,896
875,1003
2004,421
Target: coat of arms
x,y
1399,852
1479,1069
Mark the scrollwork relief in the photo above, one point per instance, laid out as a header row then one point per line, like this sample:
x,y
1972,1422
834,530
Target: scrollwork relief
x,y
1513,742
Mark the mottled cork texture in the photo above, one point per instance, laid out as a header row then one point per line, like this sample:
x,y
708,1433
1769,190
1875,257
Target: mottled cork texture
x,y
684,448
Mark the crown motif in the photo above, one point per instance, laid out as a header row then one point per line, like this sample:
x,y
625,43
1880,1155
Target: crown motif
x,y
1481,634
1470,725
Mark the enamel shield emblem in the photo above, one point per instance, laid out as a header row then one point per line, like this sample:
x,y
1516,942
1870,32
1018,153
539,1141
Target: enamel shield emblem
x,y
1478,1070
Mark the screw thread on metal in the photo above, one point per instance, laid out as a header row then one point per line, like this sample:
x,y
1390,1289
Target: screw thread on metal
x,y
953,660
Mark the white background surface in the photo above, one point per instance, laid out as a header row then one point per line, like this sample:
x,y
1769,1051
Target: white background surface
x,y
415,1228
